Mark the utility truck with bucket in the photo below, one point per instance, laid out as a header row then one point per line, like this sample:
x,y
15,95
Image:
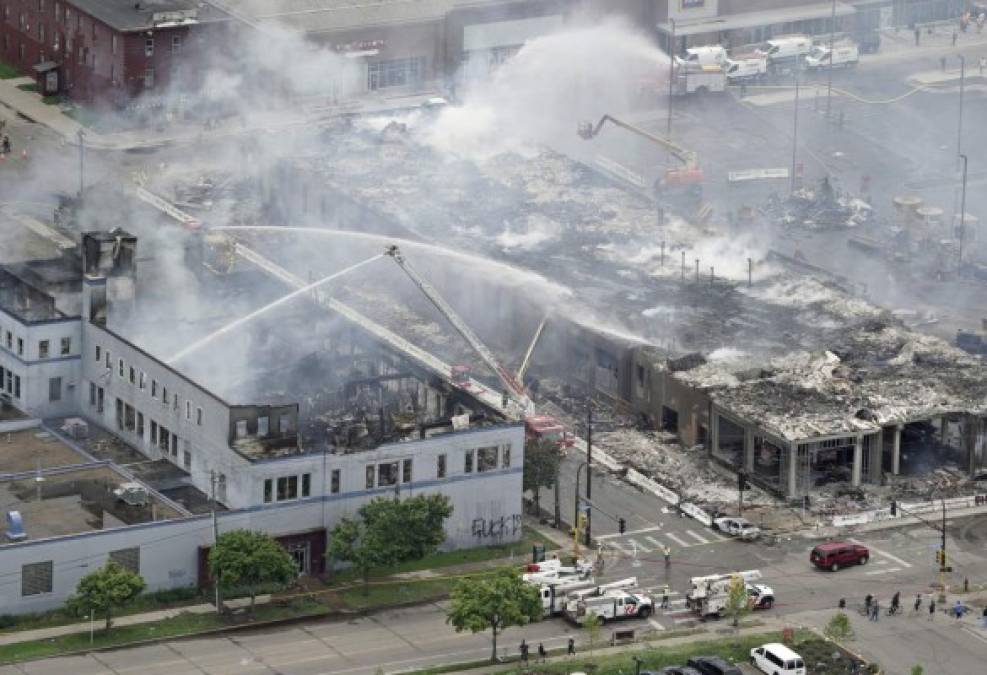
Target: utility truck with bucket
x,y
709,595
609,602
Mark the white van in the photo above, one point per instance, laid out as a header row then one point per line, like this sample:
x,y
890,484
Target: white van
x,y
791,47
709,55
845,55
775,658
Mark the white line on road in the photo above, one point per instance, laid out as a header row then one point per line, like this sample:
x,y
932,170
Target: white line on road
x,y
680,542
612,535
698,538
884,553
888,570
717,536
638,547
654,541
620,549
655,625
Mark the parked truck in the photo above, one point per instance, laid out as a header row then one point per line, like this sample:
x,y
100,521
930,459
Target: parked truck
x,y
555,594
784,54
845,54
608,603
698,79
709,595
745,68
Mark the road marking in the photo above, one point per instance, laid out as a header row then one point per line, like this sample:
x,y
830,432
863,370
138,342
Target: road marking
x,y
637,547
654,541
980,636
717,536
883,571
884,553
613,535
616,545
698,538
679,622
655,624
680,542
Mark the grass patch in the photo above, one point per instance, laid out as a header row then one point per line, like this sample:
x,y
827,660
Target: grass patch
x,y
8,72
28,87
387,592
182,624
53,99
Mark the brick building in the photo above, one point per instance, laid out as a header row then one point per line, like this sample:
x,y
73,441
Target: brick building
x,y
108,51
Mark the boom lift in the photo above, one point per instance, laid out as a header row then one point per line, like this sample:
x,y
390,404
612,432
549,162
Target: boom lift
x,y
536,426
688,178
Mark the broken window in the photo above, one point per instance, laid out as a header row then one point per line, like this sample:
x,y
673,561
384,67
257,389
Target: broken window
x,y
241,429
306,484
92,392
263,425
99,353
268,490
406,471
174,445
154,388
287,488
371,472
119,414
154,432
127,558
468,462
66,346
387,474
486,459
43,349
440,469
669,419
284,424
133,375
140,424
506,456
142,381
129,419
120,366
36,578
187,460
163,440
164,395
54,389
334,482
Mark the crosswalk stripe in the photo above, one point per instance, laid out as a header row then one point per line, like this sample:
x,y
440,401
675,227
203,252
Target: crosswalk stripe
x,y
698,538
654,541
637,547
617,546
885,554
680,542
717,536
613,535
656,625
678,622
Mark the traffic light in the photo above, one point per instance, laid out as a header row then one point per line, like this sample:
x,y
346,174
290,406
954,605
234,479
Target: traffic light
x,y
894,508
621,525
941,557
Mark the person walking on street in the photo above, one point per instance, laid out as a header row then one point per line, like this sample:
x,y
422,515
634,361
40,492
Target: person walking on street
x,y
541,652
524,652
918,602
571,649
6,144
895,602
668,556
664,597
958,609
984,617
875,610
932,610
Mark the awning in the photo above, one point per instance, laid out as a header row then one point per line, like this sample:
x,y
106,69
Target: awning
x,y
44,67
482,36
754,19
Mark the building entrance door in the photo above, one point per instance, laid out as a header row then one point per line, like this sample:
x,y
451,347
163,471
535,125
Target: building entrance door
x,y
300,553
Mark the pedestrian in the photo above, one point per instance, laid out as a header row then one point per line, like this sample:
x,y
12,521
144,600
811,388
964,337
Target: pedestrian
x,y
524,652
918,34
932,609
668,556
571,649
966,584
958,609
918,602
664,597
541,652
984,617
868,601
896,602
954,37
942,63
875,610
6,144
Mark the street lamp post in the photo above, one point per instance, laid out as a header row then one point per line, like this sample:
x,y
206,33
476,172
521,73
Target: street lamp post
x,y
795,134
962,215
959,129
589,469
671,76
829,78
575,506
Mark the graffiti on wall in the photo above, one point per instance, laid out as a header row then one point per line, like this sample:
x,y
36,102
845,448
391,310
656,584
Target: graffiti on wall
x,y
495,528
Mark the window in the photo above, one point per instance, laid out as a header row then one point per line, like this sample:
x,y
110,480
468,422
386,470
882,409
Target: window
x,y
66,346
120,366
188,409
99,399
334,482
92,393
108,361
198,416
68,15
82,55
164,395
176,44
99,354
43,349
187,460
284,424
149,78
54,389
387,474
17,386
10,340
140,424
127,558
394,73
119,414
263,425
268,490
240,429
113,44
174,445
174,403
486,459
371,472
154,432
142,380
287,488
163,439
129,419
133,375
506,456
149,46
306,484
20,346
36,578
440,469
468,463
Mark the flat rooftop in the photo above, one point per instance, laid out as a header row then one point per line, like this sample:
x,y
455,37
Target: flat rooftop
x,y
24,301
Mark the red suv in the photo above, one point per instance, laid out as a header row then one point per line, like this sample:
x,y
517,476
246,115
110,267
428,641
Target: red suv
x,y
836,554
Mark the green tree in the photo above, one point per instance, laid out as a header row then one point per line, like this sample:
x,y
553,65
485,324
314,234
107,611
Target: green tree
x,y
593,624
917,670
495,602
390,531
738,603
101,591
838,628
541,467
250,560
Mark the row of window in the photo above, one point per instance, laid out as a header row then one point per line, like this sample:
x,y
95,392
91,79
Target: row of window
x,y
44,346
141,380
10,382
39,578
285,488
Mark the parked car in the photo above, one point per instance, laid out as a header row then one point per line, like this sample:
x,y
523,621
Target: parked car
x,y
737,527
713,665
777,659
836,554
672,670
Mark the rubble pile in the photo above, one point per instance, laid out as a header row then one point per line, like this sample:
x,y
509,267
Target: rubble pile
x,y
819,208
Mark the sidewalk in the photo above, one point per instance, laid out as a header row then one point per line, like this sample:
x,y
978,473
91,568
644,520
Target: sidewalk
x,y
128,620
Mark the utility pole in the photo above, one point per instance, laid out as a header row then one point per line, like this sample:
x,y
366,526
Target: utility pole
x,y
942,560
589,469
555,489
215,536
959,130
962,215
671,77
795,135
81,134
829,79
